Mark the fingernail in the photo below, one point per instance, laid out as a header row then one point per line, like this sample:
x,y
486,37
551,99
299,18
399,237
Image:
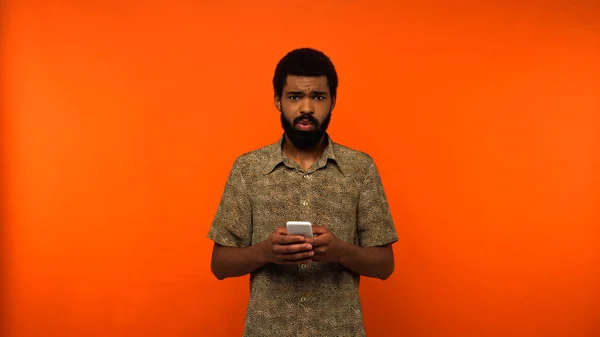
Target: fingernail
x,y
308,247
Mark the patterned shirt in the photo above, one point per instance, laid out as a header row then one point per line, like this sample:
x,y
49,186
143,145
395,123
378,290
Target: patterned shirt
x,y
341,191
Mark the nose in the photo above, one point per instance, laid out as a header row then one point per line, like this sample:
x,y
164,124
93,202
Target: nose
x,y
306,106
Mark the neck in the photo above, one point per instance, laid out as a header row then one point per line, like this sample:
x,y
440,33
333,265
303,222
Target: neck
x,y
304,157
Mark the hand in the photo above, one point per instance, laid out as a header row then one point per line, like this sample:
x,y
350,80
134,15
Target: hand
x,y
281,248
326,246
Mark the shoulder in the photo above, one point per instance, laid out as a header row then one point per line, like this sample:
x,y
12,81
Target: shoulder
x,y
256,160
346,153
254,156
353,162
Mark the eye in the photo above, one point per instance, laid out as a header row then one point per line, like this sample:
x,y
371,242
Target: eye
x,y
319,97
293,98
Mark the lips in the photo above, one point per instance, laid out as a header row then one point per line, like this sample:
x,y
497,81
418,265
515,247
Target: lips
x,y
306,120
305,125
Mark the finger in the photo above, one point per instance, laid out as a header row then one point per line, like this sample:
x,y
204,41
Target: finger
x,y
320,250
309,240
281,230
312,241
304,261
318,241
320,230
291,249
289,239
297,256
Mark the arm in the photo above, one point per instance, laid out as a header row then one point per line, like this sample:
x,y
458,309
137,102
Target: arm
x,y
233,255
377,262
279,248
236,261
373,257
233,252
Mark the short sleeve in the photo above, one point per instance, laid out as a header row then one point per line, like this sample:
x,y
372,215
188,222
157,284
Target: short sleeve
x,y
375,223
232,224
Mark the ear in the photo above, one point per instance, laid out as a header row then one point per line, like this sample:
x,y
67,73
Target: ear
x,y
277,102
332,104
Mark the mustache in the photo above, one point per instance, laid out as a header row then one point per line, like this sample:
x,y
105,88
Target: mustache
x,y
309,118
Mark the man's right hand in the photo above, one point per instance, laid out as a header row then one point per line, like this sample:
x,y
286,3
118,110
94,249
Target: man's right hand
x,y
281,248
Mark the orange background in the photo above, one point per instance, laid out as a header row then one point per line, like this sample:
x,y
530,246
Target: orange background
x,y
121,120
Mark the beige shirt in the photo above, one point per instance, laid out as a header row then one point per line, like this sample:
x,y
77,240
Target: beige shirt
x,y
341,191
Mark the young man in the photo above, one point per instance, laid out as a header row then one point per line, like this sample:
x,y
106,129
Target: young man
x,y
304,286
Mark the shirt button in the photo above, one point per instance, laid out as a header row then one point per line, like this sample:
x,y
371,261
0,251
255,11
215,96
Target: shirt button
x,y
306,176
303,266
305,203
302,299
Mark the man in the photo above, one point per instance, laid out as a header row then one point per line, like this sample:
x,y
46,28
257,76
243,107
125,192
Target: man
x,y
304,286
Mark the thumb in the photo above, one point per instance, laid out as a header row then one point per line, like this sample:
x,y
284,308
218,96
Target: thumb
x,y
320,229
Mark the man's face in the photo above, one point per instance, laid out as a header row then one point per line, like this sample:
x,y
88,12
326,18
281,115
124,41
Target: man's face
x,y
305,107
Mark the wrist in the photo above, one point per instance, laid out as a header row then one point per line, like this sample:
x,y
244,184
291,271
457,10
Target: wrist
x,y
263,254
344,249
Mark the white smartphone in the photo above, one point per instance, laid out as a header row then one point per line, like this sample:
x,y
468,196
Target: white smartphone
x,y
302,228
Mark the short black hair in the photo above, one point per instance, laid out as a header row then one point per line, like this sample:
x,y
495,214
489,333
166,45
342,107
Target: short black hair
x,y
305,62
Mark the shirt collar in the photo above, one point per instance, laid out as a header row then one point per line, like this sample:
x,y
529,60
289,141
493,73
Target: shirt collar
x,y
275,156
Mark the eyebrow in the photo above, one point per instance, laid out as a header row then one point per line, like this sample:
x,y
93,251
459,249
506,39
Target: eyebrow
x,y
315,92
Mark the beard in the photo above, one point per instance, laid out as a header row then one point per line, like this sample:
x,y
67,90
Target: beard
x,y
305,140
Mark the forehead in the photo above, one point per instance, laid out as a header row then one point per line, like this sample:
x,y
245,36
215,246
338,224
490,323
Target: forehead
x,y
306,83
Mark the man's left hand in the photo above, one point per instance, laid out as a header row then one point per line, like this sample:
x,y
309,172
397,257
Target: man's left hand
x,y
326,246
